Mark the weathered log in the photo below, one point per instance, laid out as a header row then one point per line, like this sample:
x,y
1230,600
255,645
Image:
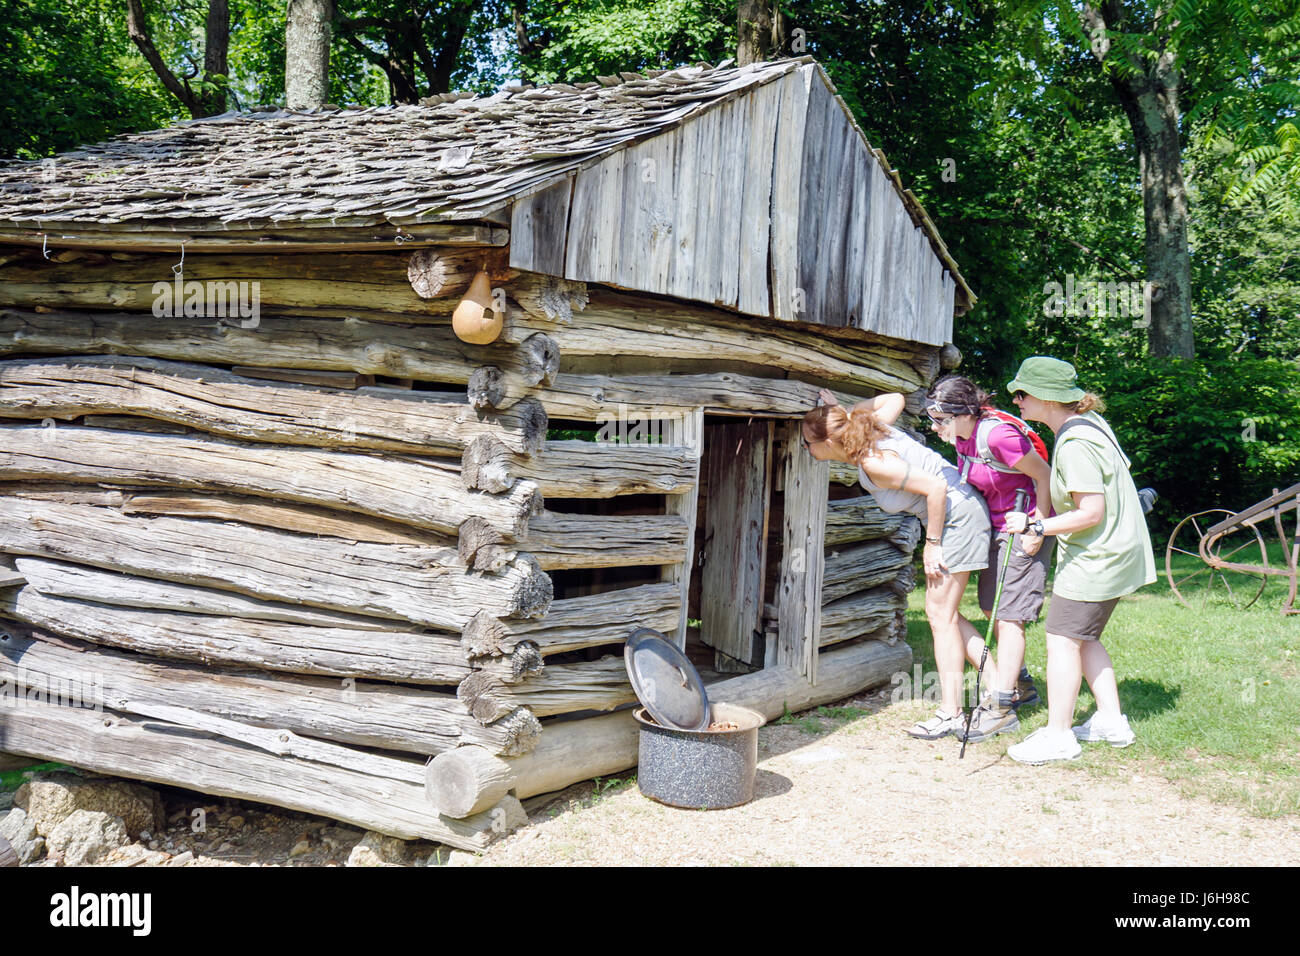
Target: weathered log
x,y
860,519
560,540
234,406
366,713
578,622
860,567
841,673
596,398
465,781
857,614
579,469
341,380
843,473
558,689
424,585
426,353
303,519
425,493
517,664
75,582
340,284
620,324
573,750
408,656
152,750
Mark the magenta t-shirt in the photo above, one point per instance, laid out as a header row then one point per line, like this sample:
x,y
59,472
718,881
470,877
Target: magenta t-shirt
x,y
999,489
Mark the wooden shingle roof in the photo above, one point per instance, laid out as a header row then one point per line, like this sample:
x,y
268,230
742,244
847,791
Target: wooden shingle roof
x,y
449,169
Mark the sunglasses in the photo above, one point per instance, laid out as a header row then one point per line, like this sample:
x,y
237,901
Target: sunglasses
x,y
1018,395
941,422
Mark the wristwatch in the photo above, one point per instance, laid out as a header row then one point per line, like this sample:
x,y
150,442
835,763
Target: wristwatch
x,y
930,540
1036,528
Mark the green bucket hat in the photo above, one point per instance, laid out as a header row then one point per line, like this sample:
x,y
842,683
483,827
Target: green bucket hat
x,y
1047,379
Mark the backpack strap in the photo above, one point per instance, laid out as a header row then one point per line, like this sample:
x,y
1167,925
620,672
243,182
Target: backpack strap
x,y
1091,424
986,457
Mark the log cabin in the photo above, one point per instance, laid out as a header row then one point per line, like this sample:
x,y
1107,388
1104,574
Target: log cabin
x,y
272,529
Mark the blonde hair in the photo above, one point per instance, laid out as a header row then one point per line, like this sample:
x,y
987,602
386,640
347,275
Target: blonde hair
x,y
1089,403
857,432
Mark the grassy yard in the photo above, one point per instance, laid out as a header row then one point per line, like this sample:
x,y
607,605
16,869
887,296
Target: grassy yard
x,y
1211,691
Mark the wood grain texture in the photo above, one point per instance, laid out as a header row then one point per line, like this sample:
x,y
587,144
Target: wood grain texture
x,y
802,555
166,753
738,463
234,406
423,493
362,713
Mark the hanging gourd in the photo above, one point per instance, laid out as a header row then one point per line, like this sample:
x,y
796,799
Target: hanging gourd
x,y
475,320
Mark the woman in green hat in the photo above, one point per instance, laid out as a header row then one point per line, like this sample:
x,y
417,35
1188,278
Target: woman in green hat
x,y
1103,553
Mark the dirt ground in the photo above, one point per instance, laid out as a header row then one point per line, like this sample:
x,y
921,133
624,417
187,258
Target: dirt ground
x,y
851,790
861,792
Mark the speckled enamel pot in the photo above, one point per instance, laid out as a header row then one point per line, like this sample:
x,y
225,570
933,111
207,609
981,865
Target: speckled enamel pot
x,y
700,770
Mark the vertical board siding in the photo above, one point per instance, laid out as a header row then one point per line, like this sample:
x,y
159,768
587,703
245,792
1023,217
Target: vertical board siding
x,y
538,230
759,148
771,204
787,172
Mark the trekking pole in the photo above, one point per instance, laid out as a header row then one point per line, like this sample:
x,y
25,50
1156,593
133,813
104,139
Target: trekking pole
x,y
1021,498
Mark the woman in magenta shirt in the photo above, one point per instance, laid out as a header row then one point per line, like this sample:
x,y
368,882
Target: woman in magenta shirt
x,y
998,459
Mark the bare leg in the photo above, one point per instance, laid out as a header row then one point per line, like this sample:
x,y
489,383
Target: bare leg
x,y
1099,670
1011,654
941,603
1064,671
974,646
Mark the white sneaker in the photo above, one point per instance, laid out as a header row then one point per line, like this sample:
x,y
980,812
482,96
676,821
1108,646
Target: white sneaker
x,y
1045,745
1117,733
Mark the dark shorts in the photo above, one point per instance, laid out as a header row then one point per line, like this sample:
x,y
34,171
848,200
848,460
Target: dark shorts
x,y
1081,620
1025,585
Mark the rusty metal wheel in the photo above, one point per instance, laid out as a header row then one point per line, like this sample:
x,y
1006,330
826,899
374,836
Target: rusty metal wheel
x,y
1209,585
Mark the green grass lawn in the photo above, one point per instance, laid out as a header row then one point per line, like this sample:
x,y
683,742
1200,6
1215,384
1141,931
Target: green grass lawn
x,y
1211,691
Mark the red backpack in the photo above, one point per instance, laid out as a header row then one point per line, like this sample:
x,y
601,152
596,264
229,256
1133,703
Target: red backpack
x,y
985,456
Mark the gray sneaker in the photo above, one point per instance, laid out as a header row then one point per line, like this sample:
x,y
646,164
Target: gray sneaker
x,y
990,720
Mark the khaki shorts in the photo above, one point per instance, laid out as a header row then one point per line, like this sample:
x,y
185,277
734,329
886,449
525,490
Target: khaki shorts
x,y
966,534
1081,620
1025,585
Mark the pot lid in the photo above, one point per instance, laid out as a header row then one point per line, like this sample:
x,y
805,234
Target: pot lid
x,y
665,681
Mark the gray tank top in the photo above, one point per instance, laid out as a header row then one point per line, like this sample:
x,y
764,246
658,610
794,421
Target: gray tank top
x,y
921,458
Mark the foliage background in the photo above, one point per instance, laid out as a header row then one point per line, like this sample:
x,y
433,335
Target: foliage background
x,y
1005,97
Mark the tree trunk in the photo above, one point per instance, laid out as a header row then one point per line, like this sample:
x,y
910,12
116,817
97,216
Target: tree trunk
x,y
760,30
1148,93
307,53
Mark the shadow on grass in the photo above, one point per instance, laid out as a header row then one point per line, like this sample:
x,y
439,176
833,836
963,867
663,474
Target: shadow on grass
x,y
1147,698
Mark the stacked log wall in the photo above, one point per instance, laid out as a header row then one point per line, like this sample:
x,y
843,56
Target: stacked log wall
x,y
355,552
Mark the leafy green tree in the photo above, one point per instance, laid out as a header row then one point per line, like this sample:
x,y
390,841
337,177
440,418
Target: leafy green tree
x,y
71,77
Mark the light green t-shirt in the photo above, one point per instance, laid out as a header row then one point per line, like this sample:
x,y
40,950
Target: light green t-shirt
x,y
1113,557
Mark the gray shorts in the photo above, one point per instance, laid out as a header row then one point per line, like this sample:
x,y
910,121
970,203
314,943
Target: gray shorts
x,y
966,534
1025,585
1081,620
